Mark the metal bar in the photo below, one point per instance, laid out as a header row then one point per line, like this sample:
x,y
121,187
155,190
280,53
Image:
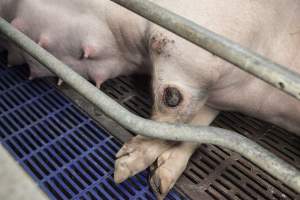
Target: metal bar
x,y
228,139
268,71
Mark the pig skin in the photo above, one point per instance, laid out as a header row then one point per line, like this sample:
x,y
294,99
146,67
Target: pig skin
x,y
85,43
209,84
128,43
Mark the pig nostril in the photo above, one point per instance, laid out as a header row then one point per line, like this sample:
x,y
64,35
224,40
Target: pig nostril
x,y
172,97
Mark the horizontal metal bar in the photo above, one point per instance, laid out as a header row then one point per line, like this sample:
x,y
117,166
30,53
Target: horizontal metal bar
x,y
268,71
228,139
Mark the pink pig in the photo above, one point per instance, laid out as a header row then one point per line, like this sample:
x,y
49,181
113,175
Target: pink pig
x,y
102,40
80,39
192,86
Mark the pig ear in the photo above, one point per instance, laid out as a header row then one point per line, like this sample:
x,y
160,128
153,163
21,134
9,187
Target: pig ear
x,y
43,41
19,24
89,51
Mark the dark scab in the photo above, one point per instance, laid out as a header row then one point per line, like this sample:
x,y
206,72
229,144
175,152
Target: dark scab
x,y
172,97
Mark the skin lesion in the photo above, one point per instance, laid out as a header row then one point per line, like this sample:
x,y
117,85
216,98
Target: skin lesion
x,y
160,43
172,97
173,104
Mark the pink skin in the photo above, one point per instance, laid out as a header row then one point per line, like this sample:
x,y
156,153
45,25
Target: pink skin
x,y
84,43
208,82
112,41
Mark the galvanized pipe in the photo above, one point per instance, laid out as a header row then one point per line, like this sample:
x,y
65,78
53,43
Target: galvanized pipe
x,y
228,139
268,71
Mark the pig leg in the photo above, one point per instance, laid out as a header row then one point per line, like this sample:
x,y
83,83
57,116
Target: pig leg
x,y
138,154
171,163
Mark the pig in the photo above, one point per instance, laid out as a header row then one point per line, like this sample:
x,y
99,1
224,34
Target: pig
x,y
81,40
189,84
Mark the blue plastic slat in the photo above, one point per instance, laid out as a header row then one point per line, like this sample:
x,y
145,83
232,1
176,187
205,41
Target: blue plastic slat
x,y
62,148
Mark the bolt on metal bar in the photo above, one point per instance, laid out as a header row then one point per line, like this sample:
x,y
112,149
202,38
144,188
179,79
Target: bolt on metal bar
x,y
268,71
210,135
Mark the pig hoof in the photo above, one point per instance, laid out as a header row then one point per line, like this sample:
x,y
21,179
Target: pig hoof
x,y
168,168
137,155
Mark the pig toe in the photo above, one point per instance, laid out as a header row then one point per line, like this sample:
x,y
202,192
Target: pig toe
x,y
136,155
169,167
122,171
131,163
162,180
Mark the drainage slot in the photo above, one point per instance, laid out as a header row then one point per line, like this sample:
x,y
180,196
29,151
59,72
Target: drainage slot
x,y
52,191
100,194
33,170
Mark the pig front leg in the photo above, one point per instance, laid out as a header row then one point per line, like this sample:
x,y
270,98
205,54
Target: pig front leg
x,y
172,104
140,152
171,163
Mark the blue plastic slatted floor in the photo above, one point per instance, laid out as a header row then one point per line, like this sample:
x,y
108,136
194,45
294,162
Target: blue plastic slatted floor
x,y
66,153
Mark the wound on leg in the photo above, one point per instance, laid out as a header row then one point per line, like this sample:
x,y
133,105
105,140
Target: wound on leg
x,y
172,97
